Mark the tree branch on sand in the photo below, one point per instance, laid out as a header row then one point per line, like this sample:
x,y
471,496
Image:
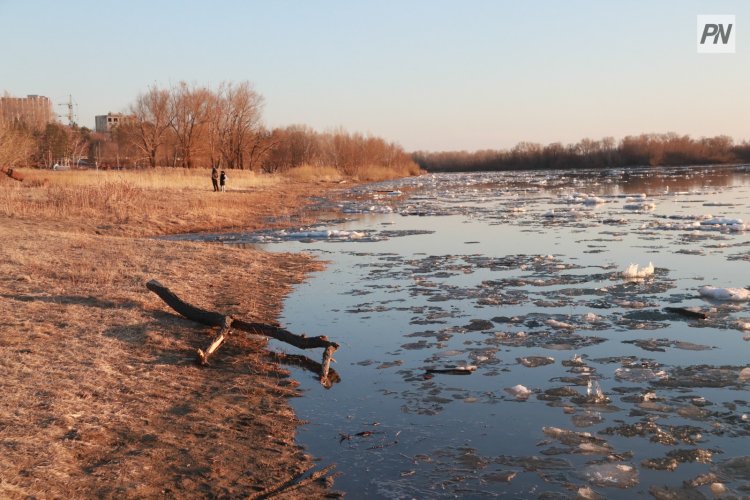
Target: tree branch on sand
x,y
227,323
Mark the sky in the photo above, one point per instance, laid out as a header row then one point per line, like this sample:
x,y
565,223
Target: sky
x,y
428,74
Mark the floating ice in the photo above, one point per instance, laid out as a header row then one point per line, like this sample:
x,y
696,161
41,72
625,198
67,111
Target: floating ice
x,y
584,441
728,294
586,493
559,325
519,392
638,203
534,361
321,235
731,224
611,474
594,390
353,235
586,199
632,272
639,374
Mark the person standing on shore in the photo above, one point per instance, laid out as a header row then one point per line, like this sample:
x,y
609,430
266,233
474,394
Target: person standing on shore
x,y
223,180
215,177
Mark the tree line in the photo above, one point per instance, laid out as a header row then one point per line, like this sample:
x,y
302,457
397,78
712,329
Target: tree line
x,y
641,150
196,126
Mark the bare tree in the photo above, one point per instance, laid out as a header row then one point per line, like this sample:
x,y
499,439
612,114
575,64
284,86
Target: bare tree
x,y
16,145
262,145
238,117
189,109
151,121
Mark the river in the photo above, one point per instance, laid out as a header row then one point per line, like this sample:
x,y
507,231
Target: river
x,y
496,341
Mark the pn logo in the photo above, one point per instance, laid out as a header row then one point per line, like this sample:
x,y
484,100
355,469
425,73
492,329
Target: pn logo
x,y
717,34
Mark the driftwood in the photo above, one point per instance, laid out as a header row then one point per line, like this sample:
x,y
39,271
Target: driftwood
x,y
228,323
11,173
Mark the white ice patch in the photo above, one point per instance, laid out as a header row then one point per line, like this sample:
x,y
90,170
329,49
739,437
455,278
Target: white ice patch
x,y
322,235
611,474
591,318
728,294
352,235
584,198
725,223
640,374
559,325
641,206
632,272
519,392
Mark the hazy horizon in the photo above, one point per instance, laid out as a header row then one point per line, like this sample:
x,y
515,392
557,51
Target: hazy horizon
x,y
433,76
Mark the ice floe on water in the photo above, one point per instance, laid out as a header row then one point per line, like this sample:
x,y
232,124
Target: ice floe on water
x,y
725,222
639,204
730,294
584,198
632,271
518,391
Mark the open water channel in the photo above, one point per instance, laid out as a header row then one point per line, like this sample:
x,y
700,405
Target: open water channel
x,y
496,341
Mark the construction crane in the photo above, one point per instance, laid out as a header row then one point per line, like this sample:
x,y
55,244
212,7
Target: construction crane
x,y
70,115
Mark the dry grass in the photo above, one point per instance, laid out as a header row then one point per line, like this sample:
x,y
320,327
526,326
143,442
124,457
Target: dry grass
x,y
101,396
157,178
310,173
147,202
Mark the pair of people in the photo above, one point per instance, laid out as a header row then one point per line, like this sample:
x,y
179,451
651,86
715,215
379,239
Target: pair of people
x,y
219,180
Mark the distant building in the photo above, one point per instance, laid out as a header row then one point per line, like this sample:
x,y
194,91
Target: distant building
x,y
107,123
34,111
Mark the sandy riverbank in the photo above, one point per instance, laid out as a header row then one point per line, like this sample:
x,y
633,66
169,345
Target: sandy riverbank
x,y
101,393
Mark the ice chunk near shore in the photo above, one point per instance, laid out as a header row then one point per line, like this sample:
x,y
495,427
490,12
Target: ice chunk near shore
x,y
632,272
322,235
352,235
728,294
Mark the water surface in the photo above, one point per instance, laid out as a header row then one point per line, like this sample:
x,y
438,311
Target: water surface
x,y
521,276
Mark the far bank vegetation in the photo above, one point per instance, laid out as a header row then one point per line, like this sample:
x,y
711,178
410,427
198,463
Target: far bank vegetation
x,y
643,150
194,126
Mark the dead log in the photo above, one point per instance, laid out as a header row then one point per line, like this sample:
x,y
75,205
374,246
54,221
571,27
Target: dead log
x,y
228,323
10,172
